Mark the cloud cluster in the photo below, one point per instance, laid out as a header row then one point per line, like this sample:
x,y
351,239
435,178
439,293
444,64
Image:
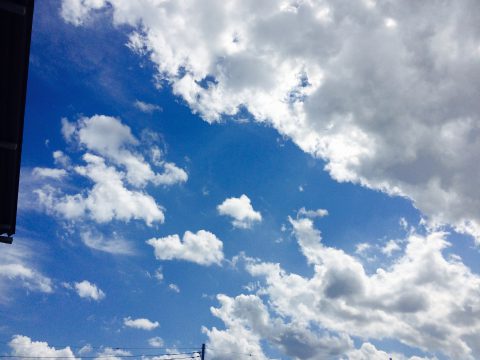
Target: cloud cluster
x,y
385,92
241,211
117,171
202,248
24,346
415,299
248,322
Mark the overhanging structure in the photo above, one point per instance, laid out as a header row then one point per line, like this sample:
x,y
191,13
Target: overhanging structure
x,y
15,34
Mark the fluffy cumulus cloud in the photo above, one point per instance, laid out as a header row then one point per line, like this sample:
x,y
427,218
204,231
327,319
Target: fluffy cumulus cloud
x,y
248,322
87,290
142,323
240,210
111,139
385,92
18,269
203,248
117,170
414,299
22,346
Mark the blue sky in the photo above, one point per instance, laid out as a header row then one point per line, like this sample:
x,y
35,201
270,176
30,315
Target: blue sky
x,y
191,176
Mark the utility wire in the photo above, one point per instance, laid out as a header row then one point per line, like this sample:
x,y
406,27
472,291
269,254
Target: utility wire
x,y
192,356
117,347
235,353
6,342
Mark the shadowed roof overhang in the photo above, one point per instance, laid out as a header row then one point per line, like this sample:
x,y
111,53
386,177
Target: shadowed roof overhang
x,y
15,34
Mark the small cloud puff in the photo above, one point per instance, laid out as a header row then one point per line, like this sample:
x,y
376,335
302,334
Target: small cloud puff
x,y
87,290
203,248
155,342
241,210
141,323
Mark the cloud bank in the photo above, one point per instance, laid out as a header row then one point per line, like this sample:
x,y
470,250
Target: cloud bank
x,y
385,92
415,299
24,346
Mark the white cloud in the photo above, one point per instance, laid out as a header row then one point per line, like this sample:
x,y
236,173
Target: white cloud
x,y
171,175
112,354
384,92
416,299
146,107
248,321
241,210
85,349
118,173
362,248
61,159
24,346
369,352
159,274
174,288
312,213
109,138
87,290
56,174
233,343
390,247
142,323
114,245
68,129
18,270
107,200
203,248
78,11
156,341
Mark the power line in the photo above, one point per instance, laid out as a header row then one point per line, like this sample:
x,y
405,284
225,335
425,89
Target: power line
x,y
235,353
116,347
7,342
193,355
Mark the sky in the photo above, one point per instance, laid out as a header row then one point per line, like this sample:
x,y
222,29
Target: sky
x,y
274,179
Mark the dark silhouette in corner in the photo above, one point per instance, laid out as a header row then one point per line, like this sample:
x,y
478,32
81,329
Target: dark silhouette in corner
x,y
15,34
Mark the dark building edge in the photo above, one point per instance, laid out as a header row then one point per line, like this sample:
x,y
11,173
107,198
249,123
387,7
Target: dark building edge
x,y
21,11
